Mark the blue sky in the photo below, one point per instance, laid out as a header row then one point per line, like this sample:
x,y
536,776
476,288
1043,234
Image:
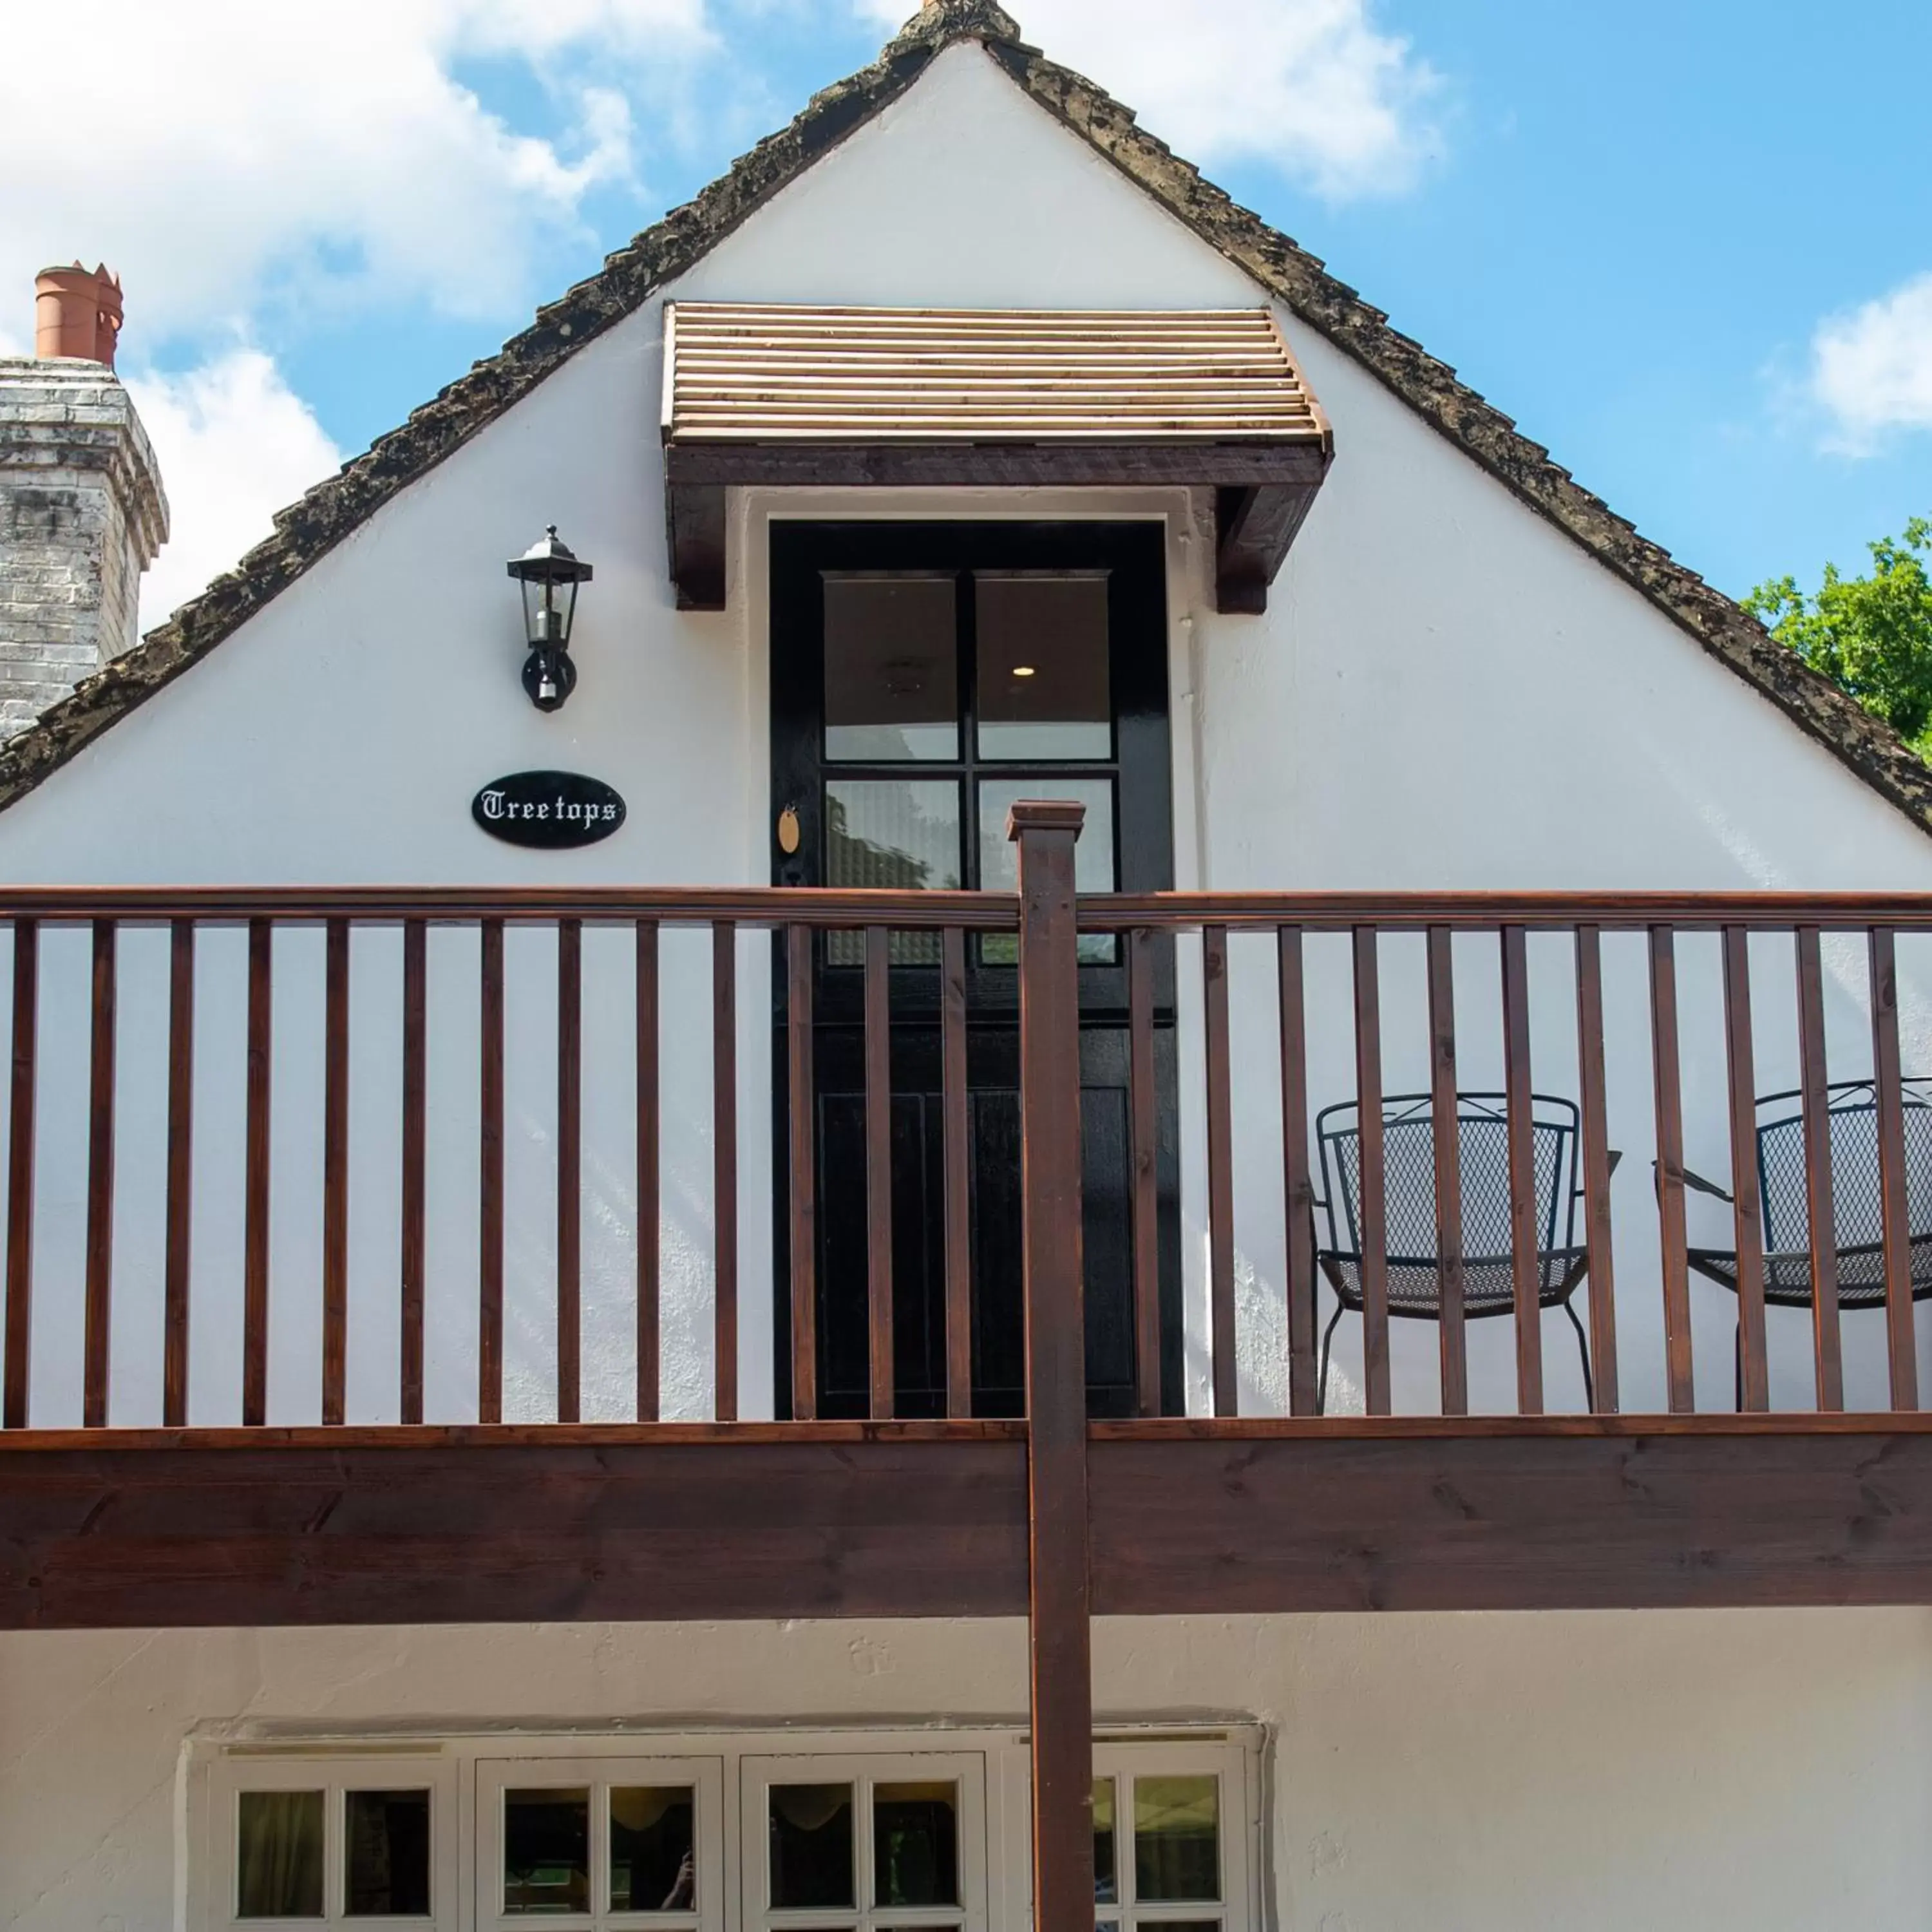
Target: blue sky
x,y
1687,246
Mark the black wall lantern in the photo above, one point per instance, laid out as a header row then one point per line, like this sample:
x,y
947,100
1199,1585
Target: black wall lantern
x,y
549,572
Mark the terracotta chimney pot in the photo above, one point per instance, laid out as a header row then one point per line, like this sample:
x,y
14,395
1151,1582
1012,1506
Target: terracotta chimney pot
x,y
77,313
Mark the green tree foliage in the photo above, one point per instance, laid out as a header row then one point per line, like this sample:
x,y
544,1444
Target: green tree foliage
x,y
1870,635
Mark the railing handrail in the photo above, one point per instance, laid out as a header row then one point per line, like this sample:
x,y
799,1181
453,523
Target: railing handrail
x,y
840,907
1687,911
752,906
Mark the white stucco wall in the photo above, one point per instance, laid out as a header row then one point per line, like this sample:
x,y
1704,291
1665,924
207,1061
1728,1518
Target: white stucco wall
x,y
1672,1770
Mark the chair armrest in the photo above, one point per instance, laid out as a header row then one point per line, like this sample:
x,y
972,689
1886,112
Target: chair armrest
x,y
1696,1183
1612,1157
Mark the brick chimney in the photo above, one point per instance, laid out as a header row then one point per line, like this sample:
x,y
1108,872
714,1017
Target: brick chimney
x,y
82,512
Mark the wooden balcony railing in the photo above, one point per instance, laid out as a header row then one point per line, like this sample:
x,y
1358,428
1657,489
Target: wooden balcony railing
x,y
207,1084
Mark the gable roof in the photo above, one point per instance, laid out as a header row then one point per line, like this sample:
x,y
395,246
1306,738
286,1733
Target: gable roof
x,y
310,529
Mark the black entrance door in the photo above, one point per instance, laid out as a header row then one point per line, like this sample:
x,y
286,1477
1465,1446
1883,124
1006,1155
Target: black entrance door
x,y
923,677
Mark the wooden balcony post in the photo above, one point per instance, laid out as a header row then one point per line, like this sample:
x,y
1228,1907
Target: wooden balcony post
x,y
1062,1691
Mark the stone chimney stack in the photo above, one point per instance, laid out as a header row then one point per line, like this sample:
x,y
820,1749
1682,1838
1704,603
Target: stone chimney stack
x,y
82,513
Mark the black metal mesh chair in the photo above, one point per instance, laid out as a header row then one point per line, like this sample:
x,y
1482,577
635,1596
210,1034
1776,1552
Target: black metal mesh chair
x,y
1414,1272
1851,1115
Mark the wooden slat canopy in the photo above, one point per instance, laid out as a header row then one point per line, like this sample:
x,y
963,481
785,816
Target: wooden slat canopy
x,y
840,397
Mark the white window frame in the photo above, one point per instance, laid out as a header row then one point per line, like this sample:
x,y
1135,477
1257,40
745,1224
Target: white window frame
x,y
1238,1833
863,1770
462,1768
334,1774
600,1774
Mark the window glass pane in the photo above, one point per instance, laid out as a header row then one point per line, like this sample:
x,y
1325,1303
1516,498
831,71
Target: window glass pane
x,y
546,1851
385,1847
1177,1838
1106,1882
892,683
653,1852
1044,690
811,1845
916,1844
279,1854
1093,856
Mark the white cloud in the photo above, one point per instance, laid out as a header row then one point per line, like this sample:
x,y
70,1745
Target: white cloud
x,y
1310,86
205,148
1872,367
234,444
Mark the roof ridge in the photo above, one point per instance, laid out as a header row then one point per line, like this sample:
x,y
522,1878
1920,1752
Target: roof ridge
x,y
309,529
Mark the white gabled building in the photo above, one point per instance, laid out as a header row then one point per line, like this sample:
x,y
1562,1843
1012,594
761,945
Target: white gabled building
x,y
476,1453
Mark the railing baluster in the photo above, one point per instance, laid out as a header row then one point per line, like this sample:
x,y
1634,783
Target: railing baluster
x,y
1297,1184
20,1122
490,1272
1894,1207
650,1349
1143,1132
1525,1264
1747,1220
1673,1242
1220,1173
724,1165
802,1099
335,1174
255,1230
569,1168
1444,1105
956,1128
1373,1177
175,1266
879,1169
416,1155
1820,1211
99,1312
1602,1279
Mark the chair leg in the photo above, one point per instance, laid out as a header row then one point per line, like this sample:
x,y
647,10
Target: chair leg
x,y
1327,1338
1583,1352
1737,1368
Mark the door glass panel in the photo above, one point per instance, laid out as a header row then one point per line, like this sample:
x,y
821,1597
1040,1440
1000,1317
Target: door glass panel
x,y
812,1862
653,1866
546,1852
892,680
1177,1838
1044,690
278,1860
385,1849
1093,856
1106,1882
916,1844
899,834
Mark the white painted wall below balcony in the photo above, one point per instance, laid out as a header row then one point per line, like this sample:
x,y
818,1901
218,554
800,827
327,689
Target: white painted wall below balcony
x,y
1677,1771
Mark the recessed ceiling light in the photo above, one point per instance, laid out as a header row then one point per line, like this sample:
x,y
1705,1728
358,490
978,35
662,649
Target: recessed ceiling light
x,y
1022,670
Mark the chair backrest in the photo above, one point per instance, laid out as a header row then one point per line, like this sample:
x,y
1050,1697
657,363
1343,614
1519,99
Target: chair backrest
x,y
1482,1141
1852,1115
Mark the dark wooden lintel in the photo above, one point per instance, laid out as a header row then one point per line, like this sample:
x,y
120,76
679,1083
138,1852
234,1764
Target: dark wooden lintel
x,y
104,1528
1274,483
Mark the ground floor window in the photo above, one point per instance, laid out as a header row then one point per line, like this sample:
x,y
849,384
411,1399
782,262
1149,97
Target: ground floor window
x,y
726,1831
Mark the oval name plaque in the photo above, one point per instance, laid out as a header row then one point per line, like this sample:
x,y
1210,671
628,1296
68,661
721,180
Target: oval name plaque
x,y
550,809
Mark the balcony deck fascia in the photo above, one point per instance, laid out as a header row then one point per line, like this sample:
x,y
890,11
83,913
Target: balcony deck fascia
x,y
183,1528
